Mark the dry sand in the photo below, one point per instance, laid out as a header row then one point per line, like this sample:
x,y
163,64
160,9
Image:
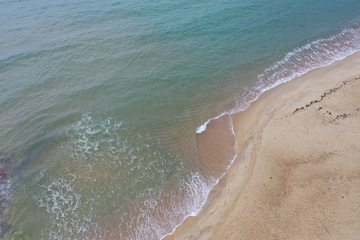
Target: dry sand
x,y
297,175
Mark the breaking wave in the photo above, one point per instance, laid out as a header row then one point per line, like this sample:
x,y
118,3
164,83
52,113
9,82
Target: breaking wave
x,y
316,54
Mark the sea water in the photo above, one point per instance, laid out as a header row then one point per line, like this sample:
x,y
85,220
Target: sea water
x,y
106,106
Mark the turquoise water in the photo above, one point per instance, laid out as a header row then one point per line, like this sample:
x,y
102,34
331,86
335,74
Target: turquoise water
x,y
104,105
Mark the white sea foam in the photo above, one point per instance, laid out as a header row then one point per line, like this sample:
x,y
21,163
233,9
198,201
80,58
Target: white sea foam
x,y
154,211
316,54
154,226
201,193
131,168
62,203
97,142
5,190
301,60
204,126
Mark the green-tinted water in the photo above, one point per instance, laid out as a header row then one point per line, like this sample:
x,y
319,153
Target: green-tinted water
x,y
100,103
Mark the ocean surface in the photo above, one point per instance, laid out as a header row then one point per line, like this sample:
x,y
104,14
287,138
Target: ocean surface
x,y
106,106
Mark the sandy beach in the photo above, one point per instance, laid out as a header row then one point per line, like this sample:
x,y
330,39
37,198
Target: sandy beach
x,y
297,174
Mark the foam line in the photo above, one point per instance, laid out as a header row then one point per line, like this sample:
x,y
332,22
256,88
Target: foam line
x,y
316,54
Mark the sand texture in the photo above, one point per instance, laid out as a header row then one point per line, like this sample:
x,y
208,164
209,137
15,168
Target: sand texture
x,y
297,175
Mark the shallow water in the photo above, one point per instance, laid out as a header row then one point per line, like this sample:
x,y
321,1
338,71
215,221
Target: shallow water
x,y
106,106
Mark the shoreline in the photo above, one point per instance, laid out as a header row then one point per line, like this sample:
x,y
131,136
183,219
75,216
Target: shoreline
x,y
224,214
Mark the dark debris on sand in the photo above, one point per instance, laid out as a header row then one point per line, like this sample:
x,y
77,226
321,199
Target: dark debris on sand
x,y
326,94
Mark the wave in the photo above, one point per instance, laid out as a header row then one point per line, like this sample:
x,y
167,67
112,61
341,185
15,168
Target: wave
x,y
156,210
119,182
316,54
209,186
5,182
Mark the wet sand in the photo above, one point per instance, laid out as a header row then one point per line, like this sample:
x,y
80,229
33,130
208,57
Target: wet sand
x,y
297,174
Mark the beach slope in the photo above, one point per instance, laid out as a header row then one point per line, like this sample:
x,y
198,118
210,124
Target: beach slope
x,y
297,175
